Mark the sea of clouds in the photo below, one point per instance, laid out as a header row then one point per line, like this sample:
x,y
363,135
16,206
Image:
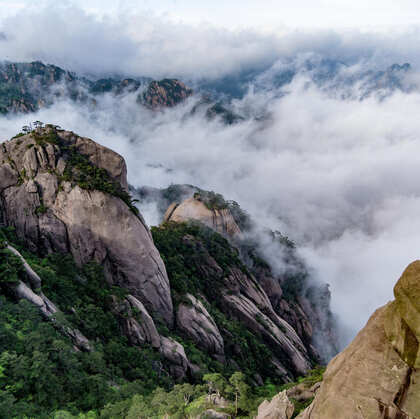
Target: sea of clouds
x,y
337,174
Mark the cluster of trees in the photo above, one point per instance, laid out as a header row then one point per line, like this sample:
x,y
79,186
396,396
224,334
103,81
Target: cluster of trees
x,y
228,395
40,372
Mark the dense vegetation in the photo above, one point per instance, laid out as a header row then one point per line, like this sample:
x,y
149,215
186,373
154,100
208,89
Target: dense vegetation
x,y
40,371
43,376
187,250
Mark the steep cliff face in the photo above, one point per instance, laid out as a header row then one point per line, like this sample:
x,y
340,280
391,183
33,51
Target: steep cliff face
x,y
74,247
64,193
377,375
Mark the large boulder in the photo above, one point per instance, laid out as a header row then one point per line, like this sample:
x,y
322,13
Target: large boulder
x,y
174,352
377,375
194,321
136,322
193,208
53,212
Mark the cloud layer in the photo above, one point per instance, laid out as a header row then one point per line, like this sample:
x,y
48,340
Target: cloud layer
x,y
141,43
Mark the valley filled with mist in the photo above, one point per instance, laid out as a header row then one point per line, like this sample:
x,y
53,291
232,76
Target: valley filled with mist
x,y
312,133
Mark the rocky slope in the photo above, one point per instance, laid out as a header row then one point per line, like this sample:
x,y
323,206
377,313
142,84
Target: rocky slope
x,y
292,296
377,376
165,93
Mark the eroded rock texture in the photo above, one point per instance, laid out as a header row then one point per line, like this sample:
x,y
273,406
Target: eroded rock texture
x,y
377,375
220,220
52,212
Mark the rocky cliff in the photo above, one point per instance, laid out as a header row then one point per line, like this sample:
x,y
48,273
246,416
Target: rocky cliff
x,y
302,304
377,376
219,219
64,193
168,305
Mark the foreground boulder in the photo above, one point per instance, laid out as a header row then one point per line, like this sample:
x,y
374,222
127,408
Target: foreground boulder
x,y
377,375
280,407
65,193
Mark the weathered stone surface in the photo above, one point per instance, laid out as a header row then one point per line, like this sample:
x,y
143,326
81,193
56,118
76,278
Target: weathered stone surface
x,y
100,156
54,216
376,375
194,209
283,340
101,227
137,324
8,176
174,352
280,407
194,320
303,392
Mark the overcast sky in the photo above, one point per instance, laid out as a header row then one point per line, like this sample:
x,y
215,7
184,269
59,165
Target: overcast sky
x,y
261,14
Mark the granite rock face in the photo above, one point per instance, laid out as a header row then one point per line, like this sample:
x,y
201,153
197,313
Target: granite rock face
x,y
174,352
220,220
377,375
242,298
194,320
136,323
52,212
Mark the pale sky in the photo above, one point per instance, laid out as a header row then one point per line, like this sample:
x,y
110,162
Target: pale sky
x,y
265,15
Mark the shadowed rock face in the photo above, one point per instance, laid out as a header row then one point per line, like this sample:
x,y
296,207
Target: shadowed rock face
x,y
54,213
377,375
194,320
235,292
